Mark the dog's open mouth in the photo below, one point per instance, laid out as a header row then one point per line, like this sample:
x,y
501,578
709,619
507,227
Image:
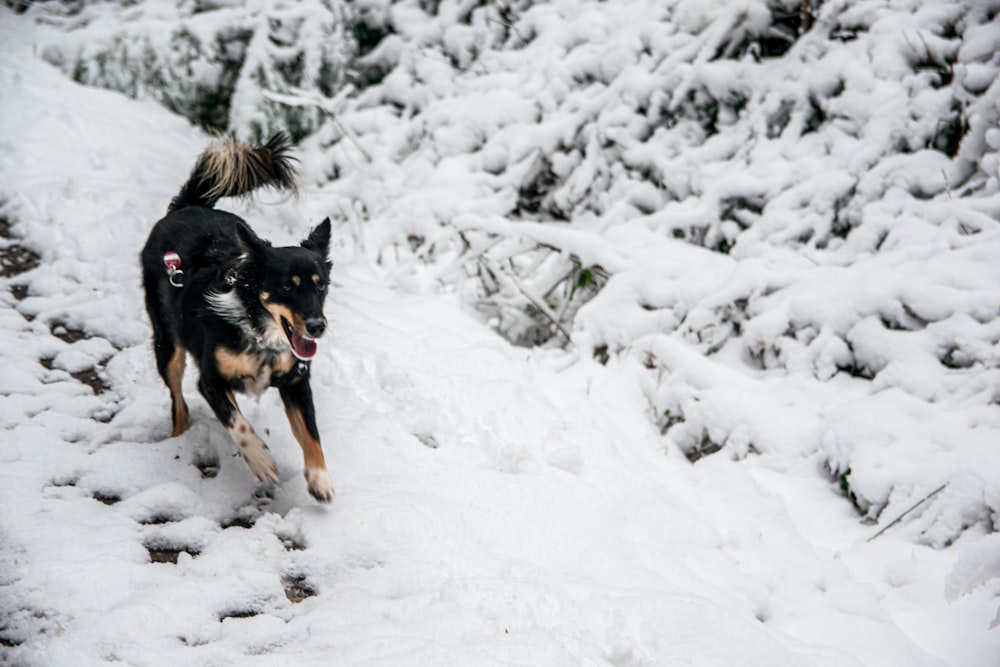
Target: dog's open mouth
x,y
303,348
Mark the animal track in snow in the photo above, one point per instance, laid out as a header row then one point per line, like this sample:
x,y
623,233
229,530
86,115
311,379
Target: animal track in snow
x,y
298,588
167,553
15,259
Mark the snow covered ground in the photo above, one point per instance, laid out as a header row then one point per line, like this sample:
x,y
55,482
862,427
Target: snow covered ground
x,y
499,504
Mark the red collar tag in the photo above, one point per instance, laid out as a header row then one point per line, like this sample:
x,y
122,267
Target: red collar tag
x,y
173,263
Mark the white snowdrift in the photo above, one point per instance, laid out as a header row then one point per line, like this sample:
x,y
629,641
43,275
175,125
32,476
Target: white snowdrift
x,y
503,505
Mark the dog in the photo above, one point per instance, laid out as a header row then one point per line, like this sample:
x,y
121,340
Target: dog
x,y
249,314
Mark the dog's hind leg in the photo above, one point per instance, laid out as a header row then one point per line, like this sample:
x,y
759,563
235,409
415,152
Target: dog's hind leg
x,y
170,362
173,376
248,443
297,397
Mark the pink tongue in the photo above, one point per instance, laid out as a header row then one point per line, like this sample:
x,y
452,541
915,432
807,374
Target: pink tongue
x,y
303,347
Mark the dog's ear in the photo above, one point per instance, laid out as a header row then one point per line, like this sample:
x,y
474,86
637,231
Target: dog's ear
x,y
249,242
319,239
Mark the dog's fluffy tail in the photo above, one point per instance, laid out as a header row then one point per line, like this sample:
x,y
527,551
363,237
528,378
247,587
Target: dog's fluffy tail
x,y
231,169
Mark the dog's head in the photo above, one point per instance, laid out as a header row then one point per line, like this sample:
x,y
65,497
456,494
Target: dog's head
x,y
293,283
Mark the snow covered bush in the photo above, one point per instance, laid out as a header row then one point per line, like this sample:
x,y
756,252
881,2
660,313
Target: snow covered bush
x,y
804,190
213,62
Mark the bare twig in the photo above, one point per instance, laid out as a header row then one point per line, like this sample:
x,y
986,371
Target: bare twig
x,y
912,507
304,99
503,276
807,16
507,20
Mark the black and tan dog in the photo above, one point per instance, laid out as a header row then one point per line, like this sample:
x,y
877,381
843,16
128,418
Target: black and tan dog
x,y
248,313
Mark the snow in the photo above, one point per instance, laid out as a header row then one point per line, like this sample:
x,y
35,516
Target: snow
x,y
703,468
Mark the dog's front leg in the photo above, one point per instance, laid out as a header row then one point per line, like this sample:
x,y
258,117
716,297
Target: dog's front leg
x,y
297,397
248,443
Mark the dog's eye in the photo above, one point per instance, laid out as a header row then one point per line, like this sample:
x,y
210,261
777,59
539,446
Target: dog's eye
x,y
288,286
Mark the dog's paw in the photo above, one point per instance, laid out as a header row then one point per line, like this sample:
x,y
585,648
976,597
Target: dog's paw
x,y
318,481
260,462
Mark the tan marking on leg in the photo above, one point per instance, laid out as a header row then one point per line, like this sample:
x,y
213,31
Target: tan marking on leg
x,y
251,447
175,375
317,477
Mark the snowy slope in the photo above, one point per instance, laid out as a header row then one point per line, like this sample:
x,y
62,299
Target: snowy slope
x,y
496,504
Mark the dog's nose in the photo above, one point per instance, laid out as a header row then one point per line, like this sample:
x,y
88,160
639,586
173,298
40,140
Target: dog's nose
x,y
315,327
